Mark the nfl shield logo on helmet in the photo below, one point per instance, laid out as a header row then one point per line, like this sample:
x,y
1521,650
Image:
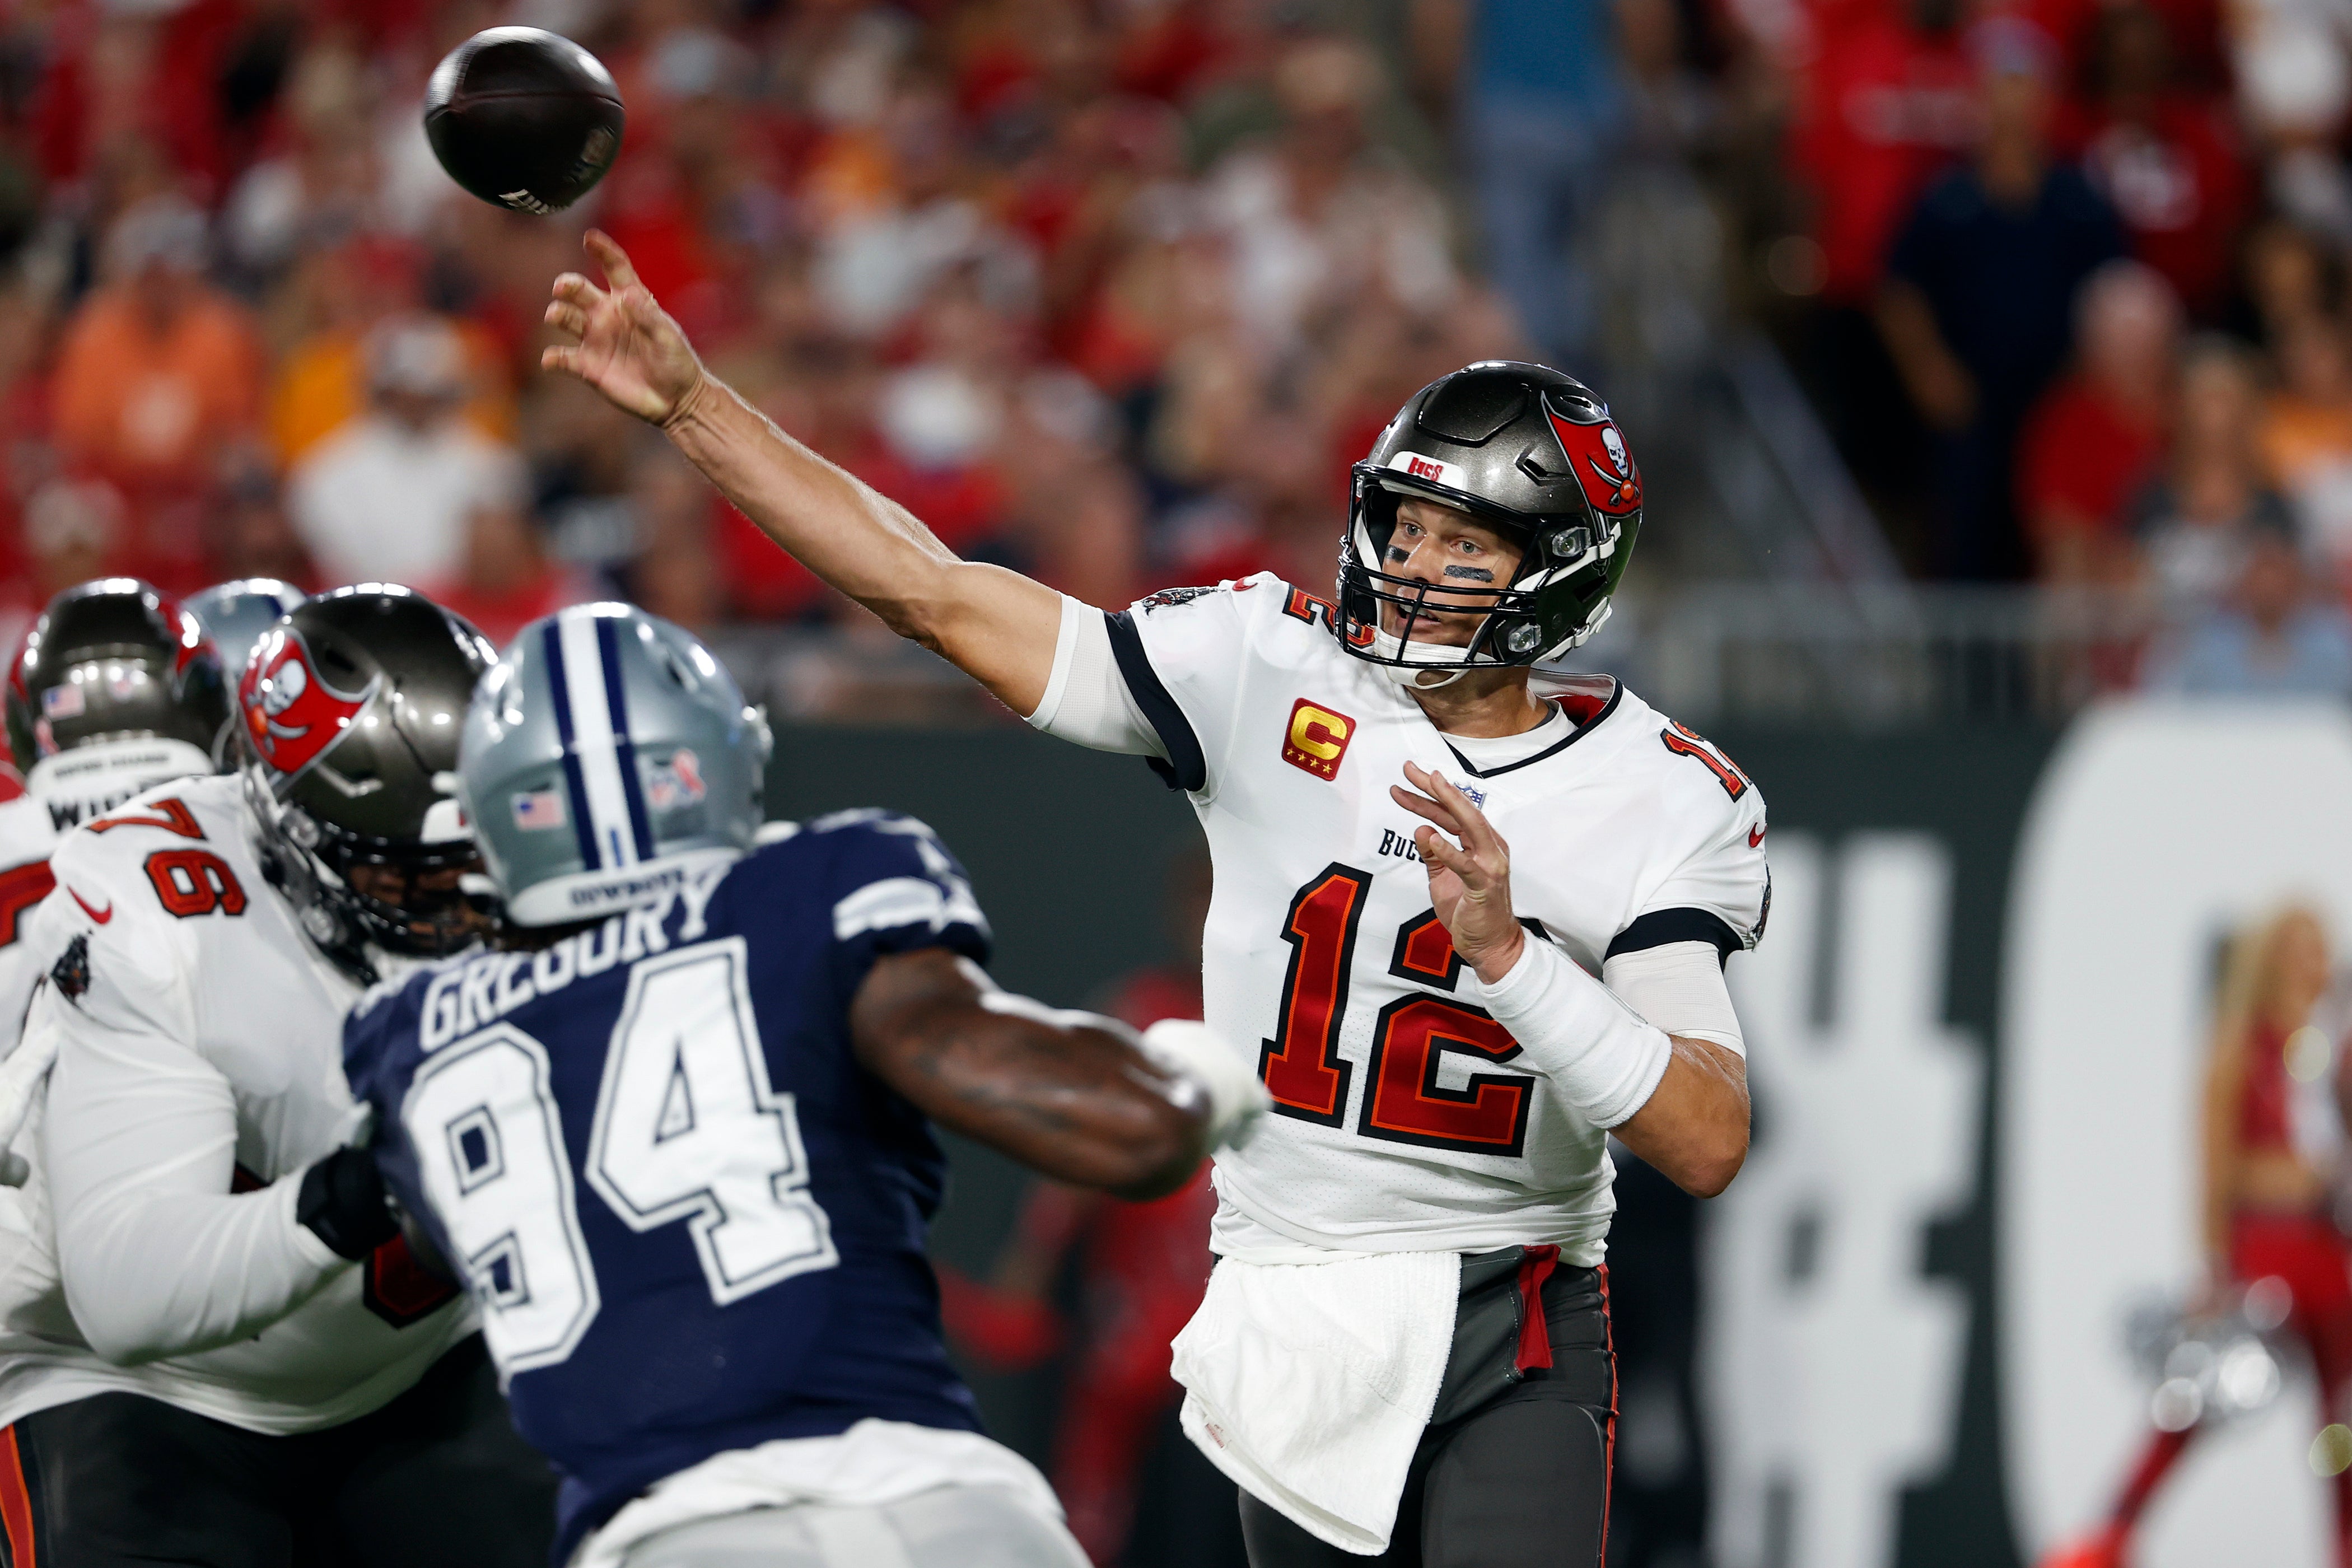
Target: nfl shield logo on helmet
x,y
291,714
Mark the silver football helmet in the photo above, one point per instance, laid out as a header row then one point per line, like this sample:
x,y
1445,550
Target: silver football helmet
x,y
235,614
607,759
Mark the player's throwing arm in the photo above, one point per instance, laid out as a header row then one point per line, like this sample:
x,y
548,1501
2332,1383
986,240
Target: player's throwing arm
x,y
996,625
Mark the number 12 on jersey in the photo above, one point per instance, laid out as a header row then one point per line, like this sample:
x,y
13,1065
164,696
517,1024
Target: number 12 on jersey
x,y
688,1129
1308,1078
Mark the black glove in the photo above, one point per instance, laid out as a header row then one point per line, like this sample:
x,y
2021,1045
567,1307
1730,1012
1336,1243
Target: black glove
x,y
343,1200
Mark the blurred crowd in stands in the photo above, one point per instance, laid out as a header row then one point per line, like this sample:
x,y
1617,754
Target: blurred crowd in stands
x,y
2067,280
1114,290
1110,292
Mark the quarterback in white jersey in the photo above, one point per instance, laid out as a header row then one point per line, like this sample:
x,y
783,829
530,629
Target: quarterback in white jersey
x,y
258,1353
1412,1125
1474,922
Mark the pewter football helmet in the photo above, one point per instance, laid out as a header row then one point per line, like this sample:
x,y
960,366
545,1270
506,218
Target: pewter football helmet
x,y
1527,451
350,709
236,613
115,688
607,759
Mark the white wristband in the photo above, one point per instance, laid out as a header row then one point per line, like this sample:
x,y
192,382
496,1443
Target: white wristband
x,y
1237,1099
1606,1061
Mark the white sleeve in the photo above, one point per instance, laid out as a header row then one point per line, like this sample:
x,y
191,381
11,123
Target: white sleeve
x,y
1679,987
1186,655
158,1257
1086,700
1709,880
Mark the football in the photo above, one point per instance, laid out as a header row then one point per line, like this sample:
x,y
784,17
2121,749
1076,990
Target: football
x,y
523,118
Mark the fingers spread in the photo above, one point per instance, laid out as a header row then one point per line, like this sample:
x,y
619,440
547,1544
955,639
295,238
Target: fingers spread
x,y
618,273
566,318
574,289
1476,832
1421,805
560,359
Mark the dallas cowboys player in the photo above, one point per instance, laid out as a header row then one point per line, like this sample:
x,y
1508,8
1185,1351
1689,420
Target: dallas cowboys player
x,y
1404,1347
674,1133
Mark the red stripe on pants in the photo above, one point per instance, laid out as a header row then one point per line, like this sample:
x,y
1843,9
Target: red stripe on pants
x,y
1535,1264
1609,1450
16,1502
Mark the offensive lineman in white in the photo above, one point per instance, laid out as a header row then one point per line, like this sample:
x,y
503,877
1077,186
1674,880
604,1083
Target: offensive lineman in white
x,y
115,688
1405,1348
275,1380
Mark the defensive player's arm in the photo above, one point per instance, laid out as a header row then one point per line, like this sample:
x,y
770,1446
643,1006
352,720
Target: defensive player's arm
x,y
1074,1096
1686,1114
997,626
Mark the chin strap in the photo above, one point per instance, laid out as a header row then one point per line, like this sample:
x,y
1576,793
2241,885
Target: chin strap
x,y
1409,676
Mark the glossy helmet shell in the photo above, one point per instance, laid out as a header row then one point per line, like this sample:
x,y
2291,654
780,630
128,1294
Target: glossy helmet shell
x,y
1527,450
117,686
608,758
350,709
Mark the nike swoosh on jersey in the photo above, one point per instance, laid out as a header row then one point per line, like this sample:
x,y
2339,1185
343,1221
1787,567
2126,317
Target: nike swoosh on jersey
x,y
100,916
1756,835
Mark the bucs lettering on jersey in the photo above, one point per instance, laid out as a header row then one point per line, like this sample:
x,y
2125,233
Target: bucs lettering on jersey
x,y
693,1223
1403,1123
184,976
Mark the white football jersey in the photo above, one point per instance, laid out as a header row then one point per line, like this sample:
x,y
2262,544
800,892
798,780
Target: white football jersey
x,y
194,968
27,836
32,1309
1401,1122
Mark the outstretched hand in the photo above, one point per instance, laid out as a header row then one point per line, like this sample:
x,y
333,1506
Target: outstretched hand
x,y
622,342
1469,880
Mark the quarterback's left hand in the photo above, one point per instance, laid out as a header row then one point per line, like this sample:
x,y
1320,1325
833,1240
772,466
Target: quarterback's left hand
x,y
1469,882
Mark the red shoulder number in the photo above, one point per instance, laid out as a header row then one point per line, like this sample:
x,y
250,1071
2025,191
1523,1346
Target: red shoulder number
x,y
170,815
1686,742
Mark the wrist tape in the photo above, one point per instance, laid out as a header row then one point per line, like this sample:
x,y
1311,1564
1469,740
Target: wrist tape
x,y
1605,1060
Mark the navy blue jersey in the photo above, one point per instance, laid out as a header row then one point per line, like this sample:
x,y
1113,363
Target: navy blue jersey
x,y
692,1221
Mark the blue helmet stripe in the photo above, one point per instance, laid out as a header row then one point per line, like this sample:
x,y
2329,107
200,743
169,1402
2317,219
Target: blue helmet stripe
x,y
625,750
558,685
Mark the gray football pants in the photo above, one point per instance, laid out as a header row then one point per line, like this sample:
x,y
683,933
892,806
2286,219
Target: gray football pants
x,y
947,1527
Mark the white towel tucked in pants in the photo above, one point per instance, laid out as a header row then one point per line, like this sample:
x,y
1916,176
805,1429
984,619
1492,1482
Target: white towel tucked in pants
x,y
1309,1384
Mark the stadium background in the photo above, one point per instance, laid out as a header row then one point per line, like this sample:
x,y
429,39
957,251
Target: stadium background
x,y
1985,360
